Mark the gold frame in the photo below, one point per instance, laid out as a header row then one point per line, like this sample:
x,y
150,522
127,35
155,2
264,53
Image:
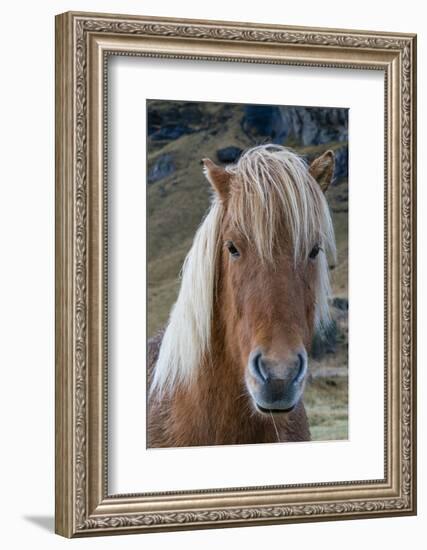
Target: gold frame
x,y
83,43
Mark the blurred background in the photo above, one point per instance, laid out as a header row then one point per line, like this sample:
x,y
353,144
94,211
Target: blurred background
x,y
179,135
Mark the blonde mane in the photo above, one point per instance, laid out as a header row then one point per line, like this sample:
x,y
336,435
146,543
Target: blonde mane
x,y
272,196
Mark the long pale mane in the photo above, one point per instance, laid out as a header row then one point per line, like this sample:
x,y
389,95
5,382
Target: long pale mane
x,y
272,196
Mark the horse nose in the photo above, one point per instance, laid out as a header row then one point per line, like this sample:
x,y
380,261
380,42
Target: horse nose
x,y
277,384
276,372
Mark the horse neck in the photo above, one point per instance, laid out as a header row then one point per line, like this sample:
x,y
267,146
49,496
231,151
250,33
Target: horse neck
x,y
216,408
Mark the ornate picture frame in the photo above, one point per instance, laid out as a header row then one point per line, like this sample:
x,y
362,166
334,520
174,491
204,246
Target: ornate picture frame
x,y
83,44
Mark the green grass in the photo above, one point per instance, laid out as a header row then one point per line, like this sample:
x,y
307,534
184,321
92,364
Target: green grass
x,y
326,402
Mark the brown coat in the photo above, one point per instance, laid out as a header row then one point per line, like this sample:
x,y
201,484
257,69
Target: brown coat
x,y
196,417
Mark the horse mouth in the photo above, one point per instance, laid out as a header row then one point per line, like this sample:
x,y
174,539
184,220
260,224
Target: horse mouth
x,y
274,411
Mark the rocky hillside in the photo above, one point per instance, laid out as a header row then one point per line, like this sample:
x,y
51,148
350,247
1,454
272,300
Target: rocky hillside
x,y
180,134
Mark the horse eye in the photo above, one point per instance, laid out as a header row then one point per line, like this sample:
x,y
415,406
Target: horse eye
x,y
233,250
314,252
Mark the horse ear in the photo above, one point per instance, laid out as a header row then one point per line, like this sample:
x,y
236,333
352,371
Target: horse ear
x,y
322,169
217,177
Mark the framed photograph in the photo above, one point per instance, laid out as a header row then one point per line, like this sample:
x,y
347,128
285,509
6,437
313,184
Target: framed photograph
x,y
235,274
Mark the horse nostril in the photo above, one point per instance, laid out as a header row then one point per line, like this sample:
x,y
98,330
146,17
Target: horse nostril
x,y
259,368
300,368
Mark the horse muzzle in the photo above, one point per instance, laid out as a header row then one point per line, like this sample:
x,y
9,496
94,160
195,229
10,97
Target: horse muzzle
x,y
276,386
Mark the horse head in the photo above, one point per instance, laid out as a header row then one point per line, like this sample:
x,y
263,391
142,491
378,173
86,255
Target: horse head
x,y
272,275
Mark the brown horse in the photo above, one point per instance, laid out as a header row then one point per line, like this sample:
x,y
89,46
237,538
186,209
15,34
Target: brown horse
x,y
231,365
